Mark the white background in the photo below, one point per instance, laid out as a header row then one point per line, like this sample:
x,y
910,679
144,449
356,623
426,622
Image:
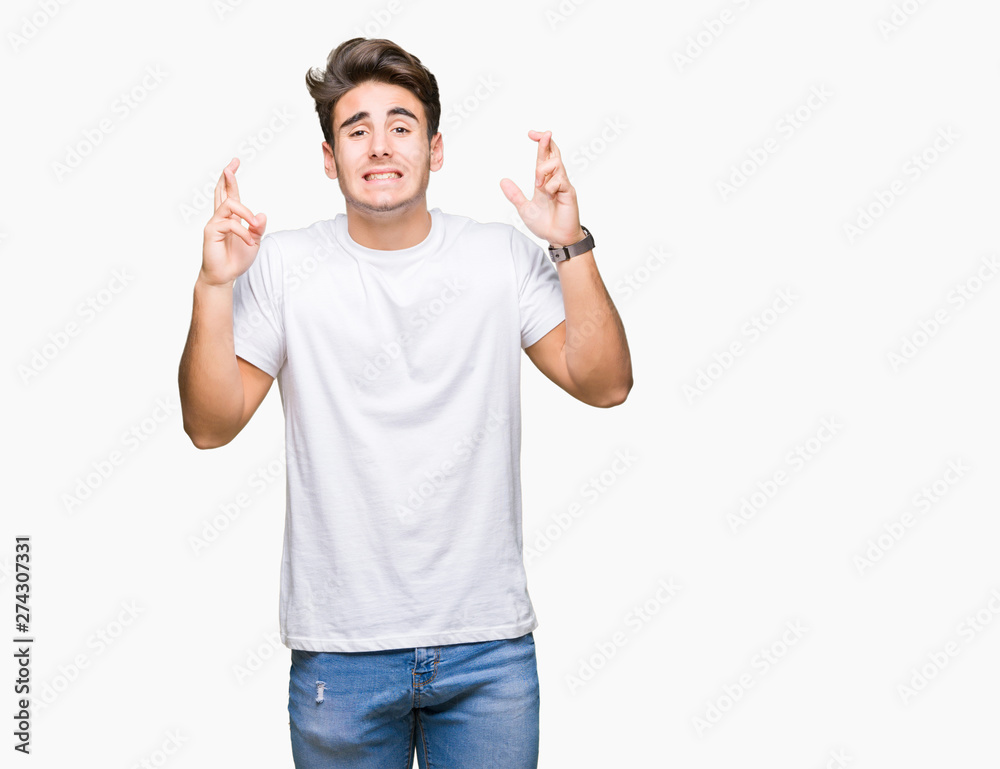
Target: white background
x,y
647,138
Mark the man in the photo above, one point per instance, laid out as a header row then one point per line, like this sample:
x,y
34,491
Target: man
x,y
395,335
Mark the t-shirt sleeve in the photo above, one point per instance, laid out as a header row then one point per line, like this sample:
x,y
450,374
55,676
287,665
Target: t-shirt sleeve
x,y
540,296
258,310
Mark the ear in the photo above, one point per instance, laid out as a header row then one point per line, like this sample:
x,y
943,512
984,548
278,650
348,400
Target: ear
x,y
437,152
328,164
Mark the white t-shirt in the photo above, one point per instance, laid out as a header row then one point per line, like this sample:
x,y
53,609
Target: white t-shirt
x,y
399,373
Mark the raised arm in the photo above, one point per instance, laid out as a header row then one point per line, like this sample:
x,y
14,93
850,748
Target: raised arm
x,y
587,354
218,391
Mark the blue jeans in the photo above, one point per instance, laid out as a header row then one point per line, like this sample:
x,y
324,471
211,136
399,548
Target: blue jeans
x,y
461,706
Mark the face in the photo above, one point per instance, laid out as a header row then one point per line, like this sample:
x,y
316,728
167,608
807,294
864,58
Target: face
x,y
381,126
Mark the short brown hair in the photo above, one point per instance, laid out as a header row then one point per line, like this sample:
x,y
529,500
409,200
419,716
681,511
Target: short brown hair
x,y
361,60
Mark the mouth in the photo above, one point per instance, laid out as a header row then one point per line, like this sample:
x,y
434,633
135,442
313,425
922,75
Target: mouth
x,y
382,178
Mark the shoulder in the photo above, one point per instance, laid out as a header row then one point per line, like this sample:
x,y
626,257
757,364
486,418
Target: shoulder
x,y
292,241
284,249
502,235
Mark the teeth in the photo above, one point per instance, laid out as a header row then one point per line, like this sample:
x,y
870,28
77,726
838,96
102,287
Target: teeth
x,y
390,175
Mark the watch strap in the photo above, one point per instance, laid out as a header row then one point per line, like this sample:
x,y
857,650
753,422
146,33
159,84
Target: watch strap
x,y
563,253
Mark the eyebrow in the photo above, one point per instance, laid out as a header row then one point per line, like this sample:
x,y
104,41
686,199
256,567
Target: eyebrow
x,y
359,116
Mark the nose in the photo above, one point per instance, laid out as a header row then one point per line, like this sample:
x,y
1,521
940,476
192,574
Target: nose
x,y
380,143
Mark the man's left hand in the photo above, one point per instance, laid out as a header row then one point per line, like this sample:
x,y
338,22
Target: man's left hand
x,y
552,213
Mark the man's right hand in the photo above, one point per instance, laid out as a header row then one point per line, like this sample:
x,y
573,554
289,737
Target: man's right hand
x,y
230,248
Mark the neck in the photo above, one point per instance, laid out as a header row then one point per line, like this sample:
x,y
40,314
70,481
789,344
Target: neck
x,y
390,230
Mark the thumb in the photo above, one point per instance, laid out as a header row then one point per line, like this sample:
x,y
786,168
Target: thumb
x,y
257,225
513,193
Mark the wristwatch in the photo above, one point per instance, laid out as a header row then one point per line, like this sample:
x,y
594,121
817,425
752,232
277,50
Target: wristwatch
x,y
563,253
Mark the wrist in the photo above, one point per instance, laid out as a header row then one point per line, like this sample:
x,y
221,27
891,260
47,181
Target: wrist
x,y
203,283
582,245
576,238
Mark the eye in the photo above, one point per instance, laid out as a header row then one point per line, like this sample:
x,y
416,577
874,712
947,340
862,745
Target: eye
x,y
397,128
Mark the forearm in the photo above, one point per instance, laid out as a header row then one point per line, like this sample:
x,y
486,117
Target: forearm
x,y
597,354
211,387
